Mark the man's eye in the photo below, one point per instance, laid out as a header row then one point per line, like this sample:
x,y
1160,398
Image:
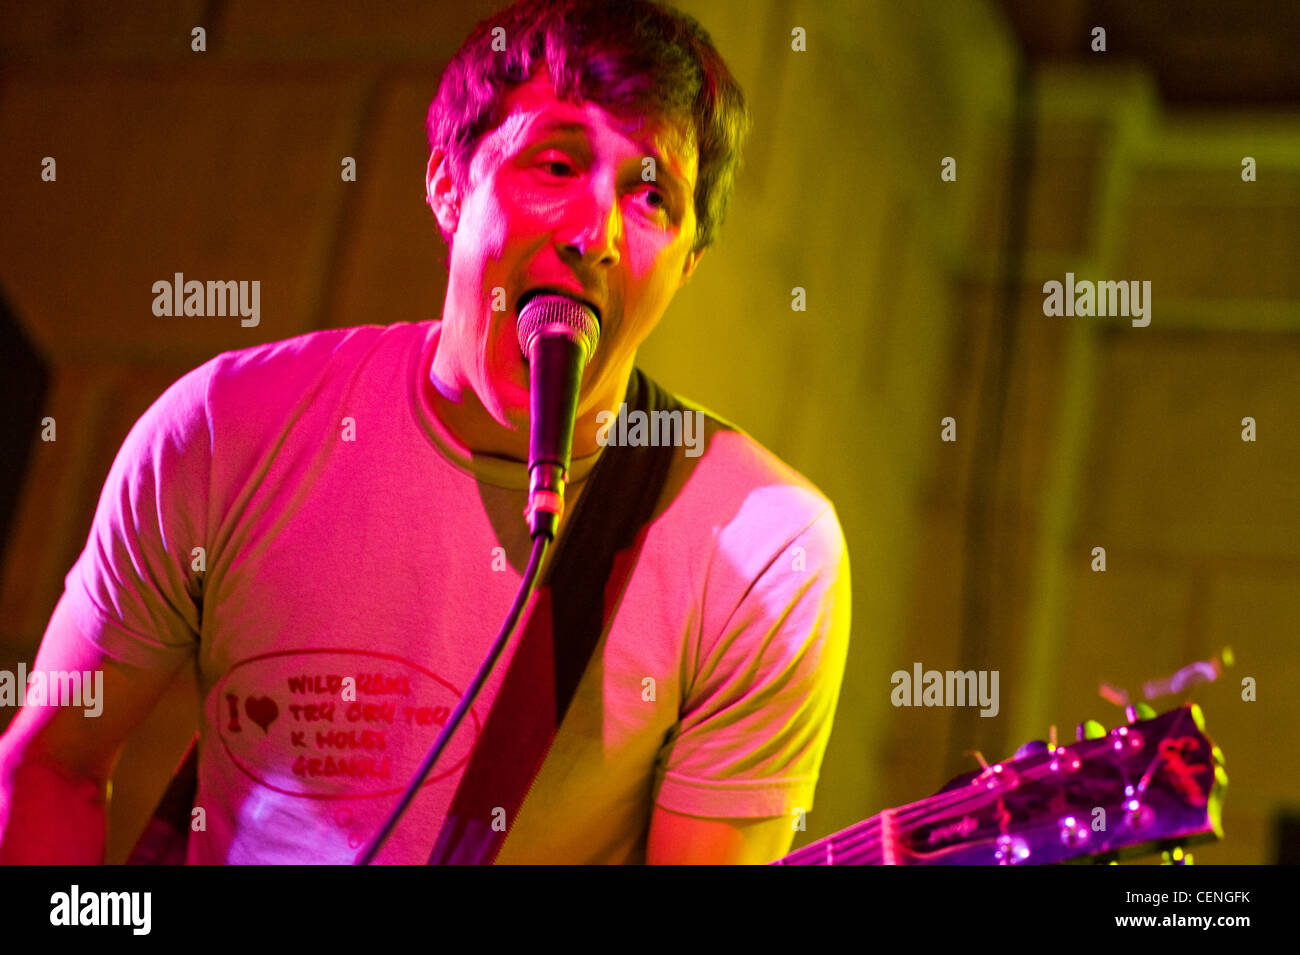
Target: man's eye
x,y
655,199
556,167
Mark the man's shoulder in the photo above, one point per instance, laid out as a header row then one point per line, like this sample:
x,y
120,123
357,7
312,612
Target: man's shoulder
x,y
243,395
313,352
729,478
268,380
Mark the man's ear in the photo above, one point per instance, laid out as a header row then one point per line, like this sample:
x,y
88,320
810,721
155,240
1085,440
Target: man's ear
x,y
692,260
441,193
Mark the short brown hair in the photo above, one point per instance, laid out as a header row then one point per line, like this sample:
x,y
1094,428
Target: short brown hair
x,y
624,55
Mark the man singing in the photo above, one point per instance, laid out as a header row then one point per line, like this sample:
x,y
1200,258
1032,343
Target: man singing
x,y
329,528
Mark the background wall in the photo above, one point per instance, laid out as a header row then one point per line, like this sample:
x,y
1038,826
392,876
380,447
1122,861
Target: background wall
x,y
924,300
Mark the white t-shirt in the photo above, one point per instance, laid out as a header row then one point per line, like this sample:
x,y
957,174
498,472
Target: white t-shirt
x,y
347,540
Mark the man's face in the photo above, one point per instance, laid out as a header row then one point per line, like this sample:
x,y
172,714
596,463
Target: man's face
x,y
556,199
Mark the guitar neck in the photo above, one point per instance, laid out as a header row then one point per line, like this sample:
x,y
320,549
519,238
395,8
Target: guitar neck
x,y
870,842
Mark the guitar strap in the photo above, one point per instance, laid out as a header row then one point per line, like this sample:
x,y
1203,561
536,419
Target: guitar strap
x,y
587,574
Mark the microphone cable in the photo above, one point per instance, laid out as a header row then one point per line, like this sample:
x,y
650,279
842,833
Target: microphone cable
x,y
526,587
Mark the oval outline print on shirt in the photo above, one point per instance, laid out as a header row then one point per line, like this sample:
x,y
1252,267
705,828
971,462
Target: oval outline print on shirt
x,y
290,706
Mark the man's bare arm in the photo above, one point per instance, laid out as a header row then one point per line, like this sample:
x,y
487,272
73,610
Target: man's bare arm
x,y
55,761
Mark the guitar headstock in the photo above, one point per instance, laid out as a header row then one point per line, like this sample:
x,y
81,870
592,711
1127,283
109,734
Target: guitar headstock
x,y
1151,785
1145,786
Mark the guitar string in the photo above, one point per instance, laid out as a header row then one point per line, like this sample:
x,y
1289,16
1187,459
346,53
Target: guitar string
x,y
865,837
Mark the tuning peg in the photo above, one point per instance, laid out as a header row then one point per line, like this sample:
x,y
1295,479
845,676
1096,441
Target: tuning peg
x,y
1139,711
1035,747
1176,857
1113,694
1089,729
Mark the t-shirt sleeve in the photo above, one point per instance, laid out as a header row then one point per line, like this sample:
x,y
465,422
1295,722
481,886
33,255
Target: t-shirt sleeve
x,y
757,714
136,590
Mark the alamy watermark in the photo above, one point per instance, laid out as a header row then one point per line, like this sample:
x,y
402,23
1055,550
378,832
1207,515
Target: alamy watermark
x,y
74,907
179,297
946,688
654,429
84,688
1087,298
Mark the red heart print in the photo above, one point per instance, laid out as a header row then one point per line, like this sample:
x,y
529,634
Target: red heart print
x,y
261,710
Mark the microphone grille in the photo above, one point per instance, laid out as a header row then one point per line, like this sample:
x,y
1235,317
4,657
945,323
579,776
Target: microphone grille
x,y
558,315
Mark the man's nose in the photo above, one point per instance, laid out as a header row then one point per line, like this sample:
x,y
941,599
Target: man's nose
x,y
593,234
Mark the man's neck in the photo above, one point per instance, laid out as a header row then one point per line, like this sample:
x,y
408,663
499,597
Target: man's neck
x,y
466,420
462,413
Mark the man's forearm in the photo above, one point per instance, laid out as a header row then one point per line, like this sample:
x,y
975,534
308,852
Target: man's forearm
x,y
50,817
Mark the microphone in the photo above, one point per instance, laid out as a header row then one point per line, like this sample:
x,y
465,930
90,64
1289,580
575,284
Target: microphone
x,y
557,335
